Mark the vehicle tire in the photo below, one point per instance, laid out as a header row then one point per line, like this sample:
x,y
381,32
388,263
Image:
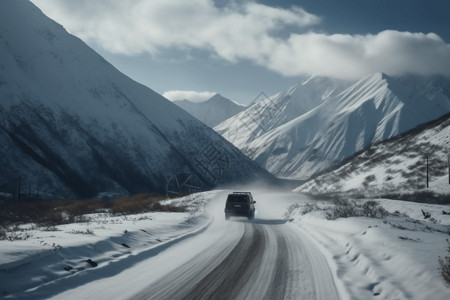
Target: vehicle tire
x,y
227,217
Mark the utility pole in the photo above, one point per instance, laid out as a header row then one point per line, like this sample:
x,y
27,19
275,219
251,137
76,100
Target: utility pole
x,y
428,177
448,165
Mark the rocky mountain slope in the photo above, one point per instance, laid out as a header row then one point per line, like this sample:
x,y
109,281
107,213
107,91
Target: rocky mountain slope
x,y
272,112
373,109
396,165
71,125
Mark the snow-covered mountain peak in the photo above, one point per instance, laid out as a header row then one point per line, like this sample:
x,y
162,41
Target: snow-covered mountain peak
x,y
72,125
212,111
372,109
218,98
279,109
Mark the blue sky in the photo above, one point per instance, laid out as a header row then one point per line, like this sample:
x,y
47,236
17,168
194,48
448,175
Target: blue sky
x,y
194,49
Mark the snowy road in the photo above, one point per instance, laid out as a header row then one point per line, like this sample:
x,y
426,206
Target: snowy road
x,y
267,258
239,259
200,255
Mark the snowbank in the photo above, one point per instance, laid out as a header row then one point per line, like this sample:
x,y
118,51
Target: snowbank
x,y
392,258
47,261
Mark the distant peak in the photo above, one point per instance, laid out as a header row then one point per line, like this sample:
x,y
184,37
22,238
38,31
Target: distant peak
x,y
216,96
384,76
307,80
376,77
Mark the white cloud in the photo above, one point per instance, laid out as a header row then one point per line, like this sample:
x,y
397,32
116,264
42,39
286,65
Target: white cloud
x,y
132,27
247,32
347,56
188,95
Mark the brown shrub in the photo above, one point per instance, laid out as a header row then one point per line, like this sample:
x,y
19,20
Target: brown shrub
x,y
83,207
445,266
52,213
142,203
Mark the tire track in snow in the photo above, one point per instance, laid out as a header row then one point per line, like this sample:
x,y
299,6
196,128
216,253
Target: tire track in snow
x,y
232,274
269,260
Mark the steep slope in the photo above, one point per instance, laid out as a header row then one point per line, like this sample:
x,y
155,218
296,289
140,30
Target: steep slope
x,y
72,125
212,111
395,165
375,108
279,109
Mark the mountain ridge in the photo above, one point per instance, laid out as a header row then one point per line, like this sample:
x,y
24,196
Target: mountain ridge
x,y
212,111
372,109
395,165
278,109
72,125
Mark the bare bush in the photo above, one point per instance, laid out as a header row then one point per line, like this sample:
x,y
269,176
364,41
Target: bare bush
x,y
83,207
14,233
444,264
3,235
291,209
309,207
373,209
142,203
369,179
87,231
52,213
344,208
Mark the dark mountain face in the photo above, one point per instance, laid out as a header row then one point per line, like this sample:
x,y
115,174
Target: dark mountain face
x,y
72,125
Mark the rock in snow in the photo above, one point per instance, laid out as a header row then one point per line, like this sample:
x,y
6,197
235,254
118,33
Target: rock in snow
x,y
72,125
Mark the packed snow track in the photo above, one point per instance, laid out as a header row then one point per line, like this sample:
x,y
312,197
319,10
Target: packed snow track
x,y
260,259
266,258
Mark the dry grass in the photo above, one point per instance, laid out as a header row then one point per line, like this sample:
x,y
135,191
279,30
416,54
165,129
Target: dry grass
x,y
142,203
51,213
445,266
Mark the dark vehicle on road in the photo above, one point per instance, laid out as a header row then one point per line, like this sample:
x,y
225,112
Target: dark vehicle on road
x,y
240,204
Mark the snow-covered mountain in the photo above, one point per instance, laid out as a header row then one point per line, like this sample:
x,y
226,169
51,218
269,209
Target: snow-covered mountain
x,y
396,165
73,125
272,112
373,109
213,111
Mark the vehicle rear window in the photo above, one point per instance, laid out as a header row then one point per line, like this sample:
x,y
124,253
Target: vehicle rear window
x,y
237,198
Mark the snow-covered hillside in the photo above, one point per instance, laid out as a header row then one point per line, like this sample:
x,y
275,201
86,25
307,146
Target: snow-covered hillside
x,y
373,109
72,125
396,165
272,112
213,111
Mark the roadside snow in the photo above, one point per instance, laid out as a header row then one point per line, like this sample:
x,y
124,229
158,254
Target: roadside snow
x,y
392,258
63,256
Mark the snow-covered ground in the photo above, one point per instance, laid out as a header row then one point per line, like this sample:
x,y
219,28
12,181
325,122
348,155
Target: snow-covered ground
x,y
398,165
392,258
47,261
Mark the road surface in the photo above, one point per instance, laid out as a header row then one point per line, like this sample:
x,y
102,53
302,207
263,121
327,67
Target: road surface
x,y
266,258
